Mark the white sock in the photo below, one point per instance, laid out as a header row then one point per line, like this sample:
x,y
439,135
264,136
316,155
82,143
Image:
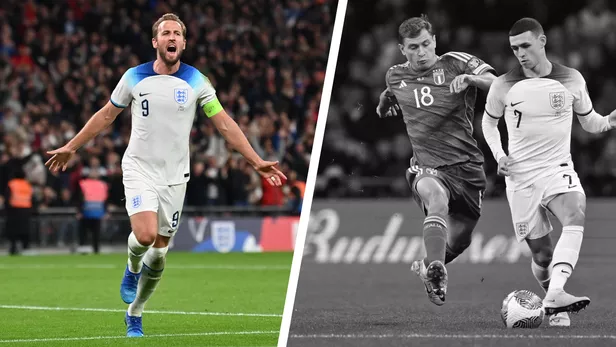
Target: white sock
x,y
561,273
136,251
566,254
154,264
542,274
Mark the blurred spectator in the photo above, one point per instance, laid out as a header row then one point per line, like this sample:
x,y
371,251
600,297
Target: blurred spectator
x,y
295,200
196,189
239,179
294,182
60,60
92,206
364,156
18,197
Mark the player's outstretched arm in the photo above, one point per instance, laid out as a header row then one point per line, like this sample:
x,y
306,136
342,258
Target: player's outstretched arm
x,y
596,123
482,81
232,133
97,123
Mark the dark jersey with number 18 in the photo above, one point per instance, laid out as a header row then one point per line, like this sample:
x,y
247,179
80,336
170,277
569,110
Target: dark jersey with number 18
x,y
439,123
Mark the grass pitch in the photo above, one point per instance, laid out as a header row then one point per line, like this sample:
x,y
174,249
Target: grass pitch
x,y
204,299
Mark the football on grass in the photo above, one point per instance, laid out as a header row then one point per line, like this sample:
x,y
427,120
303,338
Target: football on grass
x,y
522,309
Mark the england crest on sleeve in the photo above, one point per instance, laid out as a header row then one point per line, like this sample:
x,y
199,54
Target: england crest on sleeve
x,y
180,95
439,76
136,201
557,100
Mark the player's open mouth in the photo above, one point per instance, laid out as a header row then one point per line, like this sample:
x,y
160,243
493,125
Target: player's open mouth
x,y
171,49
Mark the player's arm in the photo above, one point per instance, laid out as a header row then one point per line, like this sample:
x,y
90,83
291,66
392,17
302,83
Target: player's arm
x,y
489,125
95,125
120,98
590,120
482,81
232,133
494,111
388,104
473,72
596,123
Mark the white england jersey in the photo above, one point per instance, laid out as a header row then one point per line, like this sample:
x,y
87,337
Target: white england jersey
x,y
163,108
539,115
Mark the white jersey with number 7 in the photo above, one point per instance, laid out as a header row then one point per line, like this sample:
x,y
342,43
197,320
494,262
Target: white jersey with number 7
x,y
539,116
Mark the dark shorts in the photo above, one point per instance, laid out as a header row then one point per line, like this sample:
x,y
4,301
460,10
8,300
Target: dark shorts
x,y
465,182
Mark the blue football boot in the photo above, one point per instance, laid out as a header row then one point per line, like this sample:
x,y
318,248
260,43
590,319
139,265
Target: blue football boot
x,y
128,288
133,326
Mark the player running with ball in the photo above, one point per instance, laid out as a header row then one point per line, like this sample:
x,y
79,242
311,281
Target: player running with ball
x,y
538,99
163,96
436,97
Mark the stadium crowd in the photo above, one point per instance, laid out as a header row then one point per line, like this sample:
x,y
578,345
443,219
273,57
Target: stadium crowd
x,y
60,60
364,156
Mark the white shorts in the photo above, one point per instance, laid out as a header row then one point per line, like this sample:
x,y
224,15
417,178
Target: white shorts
x,y
167,201
529,205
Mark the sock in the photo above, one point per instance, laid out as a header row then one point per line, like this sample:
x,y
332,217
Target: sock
x,y
450,255
136,251
153,266
566,254
542,274
435,238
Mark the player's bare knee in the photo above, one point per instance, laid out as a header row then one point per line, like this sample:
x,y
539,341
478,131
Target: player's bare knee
x,y
434,196
144,237
438,205
145,234
145,227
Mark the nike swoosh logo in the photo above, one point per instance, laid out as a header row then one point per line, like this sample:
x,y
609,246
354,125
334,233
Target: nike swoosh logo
x,y
517,103
144,94
573,186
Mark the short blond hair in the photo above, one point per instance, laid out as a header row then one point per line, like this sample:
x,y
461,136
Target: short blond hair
x,y
168,16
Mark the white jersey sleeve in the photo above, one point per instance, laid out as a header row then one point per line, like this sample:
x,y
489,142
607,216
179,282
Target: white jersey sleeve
x,y
495,101
122,95
205,90
206,94
582,104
